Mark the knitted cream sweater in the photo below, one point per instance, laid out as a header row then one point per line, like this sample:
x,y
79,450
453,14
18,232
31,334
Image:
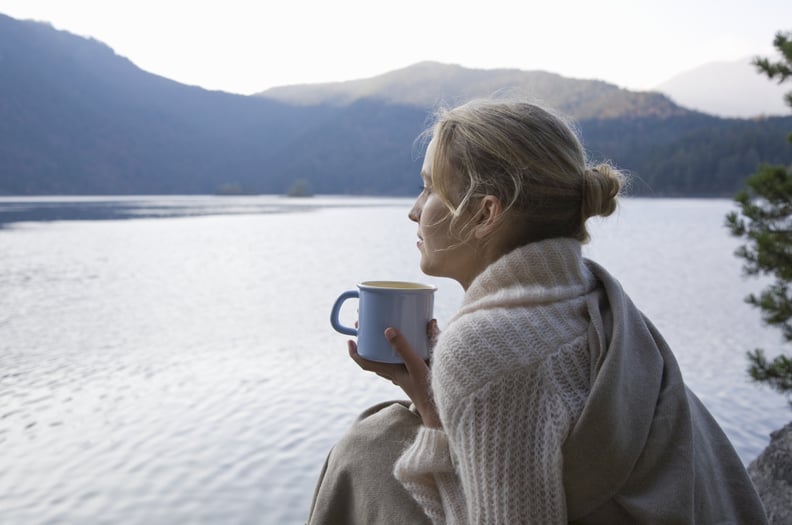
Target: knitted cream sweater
x,y
510,376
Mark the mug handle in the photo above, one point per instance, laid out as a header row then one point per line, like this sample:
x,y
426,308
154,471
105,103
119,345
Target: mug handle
x,y
337,309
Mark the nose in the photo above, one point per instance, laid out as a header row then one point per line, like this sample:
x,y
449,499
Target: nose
x,y
415,212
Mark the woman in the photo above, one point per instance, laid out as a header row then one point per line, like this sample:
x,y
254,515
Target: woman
x,y
550,397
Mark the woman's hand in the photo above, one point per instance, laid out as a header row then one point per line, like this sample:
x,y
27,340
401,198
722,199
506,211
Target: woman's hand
x,y
412,376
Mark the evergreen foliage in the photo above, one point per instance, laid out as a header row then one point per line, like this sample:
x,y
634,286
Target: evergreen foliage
x,y
765,223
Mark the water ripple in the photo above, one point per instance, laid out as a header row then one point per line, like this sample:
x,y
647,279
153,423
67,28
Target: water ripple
x,y
183,370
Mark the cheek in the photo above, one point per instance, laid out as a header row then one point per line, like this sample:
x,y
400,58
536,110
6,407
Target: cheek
x,y
437,234
434,212
432,223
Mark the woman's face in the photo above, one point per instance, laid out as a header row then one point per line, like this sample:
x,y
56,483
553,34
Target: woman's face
x,y
443,254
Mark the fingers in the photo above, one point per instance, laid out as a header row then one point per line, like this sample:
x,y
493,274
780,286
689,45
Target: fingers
x,y
431,329
413,364
362,363
386,370
432,332
411,360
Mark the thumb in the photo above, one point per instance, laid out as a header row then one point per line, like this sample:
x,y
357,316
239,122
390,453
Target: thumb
x,y
411,360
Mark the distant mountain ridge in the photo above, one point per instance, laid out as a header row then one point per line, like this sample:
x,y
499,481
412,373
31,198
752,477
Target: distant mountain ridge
x,y
727,89
76,118
426,84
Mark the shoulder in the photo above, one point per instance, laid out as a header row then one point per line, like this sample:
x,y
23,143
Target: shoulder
x,y
493,341
483,356
483,344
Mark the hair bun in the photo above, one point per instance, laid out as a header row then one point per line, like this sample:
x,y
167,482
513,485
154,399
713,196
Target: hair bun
x,y
601,188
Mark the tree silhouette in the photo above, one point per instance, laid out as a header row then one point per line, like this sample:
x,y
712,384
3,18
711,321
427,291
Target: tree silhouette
x,y
765,223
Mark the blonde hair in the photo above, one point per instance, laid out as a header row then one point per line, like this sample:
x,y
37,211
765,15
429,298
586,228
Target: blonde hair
x,y
527,157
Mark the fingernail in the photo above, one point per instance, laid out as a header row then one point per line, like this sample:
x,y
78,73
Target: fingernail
x,y
390,333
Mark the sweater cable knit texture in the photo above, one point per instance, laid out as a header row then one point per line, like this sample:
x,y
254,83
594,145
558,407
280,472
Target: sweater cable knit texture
x,y
510,376
561,402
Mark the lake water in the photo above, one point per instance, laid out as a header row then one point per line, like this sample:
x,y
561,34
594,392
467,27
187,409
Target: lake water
x,y
169,359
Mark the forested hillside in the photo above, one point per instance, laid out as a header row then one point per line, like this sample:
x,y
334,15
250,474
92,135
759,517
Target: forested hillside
x,y
695,155
76,118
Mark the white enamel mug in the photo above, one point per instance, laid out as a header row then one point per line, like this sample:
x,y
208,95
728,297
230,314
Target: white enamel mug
x,y
402,305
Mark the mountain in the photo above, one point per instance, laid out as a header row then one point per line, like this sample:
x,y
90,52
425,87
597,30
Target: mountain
x,y
727,89
76,118
428,83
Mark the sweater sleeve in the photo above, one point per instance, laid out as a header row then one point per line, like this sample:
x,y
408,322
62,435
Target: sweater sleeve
x,y
506,440
427,471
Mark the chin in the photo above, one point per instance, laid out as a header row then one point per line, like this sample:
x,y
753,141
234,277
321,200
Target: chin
x,y
426,267
432,270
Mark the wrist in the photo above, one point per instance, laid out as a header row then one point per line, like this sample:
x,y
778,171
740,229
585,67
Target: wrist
x,y
429,417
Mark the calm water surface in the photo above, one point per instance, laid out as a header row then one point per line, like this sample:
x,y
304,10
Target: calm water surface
x,y
169,359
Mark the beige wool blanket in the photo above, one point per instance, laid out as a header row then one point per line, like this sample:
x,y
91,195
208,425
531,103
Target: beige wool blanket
x,y
560,402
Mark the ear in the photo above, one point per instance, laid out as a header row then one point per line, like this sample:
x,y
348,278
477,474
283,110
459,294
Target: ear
x,y
489,216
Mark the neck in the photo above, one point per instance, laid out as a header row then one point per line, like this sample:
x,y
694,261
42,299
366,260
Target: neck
x,y
484,254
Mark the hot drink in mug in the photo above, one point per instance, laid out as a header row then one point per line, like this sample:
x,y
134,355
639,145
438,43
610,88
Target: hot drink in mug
x,y
405,306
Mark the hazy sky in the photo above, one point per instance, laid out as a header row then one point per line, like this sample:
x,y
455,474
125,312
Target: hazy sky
x,y
247,46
